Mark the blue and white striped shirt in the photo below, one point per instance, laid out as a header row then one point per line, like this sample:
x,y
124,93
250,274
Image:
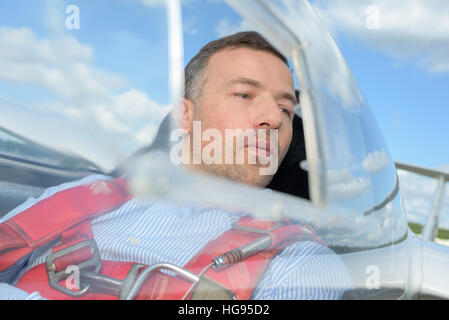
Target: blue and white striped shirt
x,y
150,233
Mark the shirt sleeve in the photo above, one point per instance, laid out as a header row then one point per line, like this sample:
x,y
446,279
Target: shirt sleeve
x,y
8,292
9,276
51,191
304,271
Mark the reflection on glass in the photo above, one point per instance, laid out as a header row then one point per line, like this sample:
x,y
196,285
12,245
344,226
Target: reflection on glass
x,y
356,167
356,176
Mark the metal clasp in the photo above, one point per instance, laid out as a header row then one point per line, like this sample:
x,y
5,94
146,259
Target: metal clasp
x,y
104,284
94,264
90,278
160,266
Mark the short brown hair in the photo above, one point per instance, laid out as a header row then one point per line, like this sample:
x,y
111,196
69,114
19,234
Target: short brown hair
x,y
196,66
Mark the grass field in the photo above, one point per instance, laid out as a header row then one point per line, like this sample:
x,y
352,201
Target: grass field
x,y
417,228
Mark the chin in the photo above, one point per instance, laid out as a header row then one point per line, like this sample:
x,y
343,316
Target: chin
x,y
258,181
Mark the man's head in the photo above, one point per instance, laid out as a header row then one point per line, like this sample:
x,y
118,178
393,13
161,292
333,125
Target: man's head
x,y
240,82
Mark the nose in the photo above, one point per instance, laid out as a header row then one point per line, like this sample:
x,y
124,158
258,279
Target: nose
x,y
268,115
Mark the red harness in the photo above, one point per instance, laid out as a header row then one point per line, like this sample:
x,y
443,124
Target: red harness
x,y
244,252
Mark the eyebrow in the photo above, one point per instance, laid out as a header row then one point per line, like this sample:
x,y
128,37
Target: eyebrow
x,y
259,85
247,81
288,96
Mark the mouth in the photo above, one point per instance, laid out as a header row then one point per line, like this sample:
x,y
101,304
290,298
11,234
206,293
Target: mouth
x,y
261,148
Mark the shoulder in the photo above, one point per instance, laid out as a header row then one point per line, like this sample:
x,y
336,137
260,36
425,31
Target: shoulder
x,y
51,191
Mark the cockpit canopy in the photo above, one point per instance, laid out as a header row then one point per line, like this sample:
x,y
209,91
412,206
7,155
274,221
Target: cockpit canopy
x,y
93,82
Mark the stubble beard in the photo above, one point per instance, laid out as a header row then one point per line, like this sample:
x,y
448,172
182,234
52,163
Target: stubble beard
x,y
245,173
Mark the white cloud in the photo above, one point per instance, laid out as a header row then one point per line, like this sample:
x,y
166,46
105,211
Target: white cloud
x,y
444,168
349,189
415,184
158,3
153,3
227,27
62,65
414,30
342,185
190,26
100,100
418,193
375,161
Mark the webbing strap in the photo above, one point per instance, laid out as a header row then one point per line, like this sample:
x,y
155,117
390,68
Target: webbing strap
x,y
49,218
18,237
237,280
240,278
243,277
207,289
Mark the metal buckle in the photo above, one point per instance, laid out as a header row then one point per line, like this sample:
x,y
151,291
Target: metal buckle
x,y
92,281
55,277
129,281
108,285
135,287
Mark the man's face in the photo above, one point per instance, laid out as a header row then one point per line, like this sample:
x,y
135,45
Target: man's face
x,y
247,89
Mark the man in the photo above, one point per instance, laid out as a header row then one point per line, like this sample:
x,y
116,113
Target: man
x,y
237,82
241,83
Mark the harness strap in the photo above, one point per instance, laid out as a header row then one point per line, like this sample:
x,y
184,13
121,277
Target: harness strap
x,y
42,224
243,276
240,278
233,281
39,225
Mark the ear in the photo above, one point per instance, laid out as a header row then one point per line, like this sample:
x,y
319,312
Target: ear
x,y
184,116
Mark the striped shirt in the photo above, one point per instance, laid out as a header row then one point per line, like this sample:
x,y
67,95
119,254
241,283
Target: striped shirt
x,y
150,233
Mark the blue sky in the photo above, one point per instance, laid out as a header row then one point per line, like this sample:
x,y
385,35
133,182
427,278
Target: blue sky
x,y
411,107
410,104
123,35
401,66
408,100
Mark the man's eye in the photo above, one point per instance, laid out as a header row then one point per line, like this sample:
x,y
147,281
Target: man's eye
x,y
286,111
243,96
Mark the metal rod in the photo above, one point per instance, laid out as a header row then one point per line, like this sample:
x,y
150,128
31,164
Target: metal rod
x,y
175,50
102,283
166,266
431,227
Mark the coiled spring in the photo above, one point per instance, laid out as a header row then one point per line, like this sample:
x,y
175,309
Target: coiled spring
x,y
237,255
